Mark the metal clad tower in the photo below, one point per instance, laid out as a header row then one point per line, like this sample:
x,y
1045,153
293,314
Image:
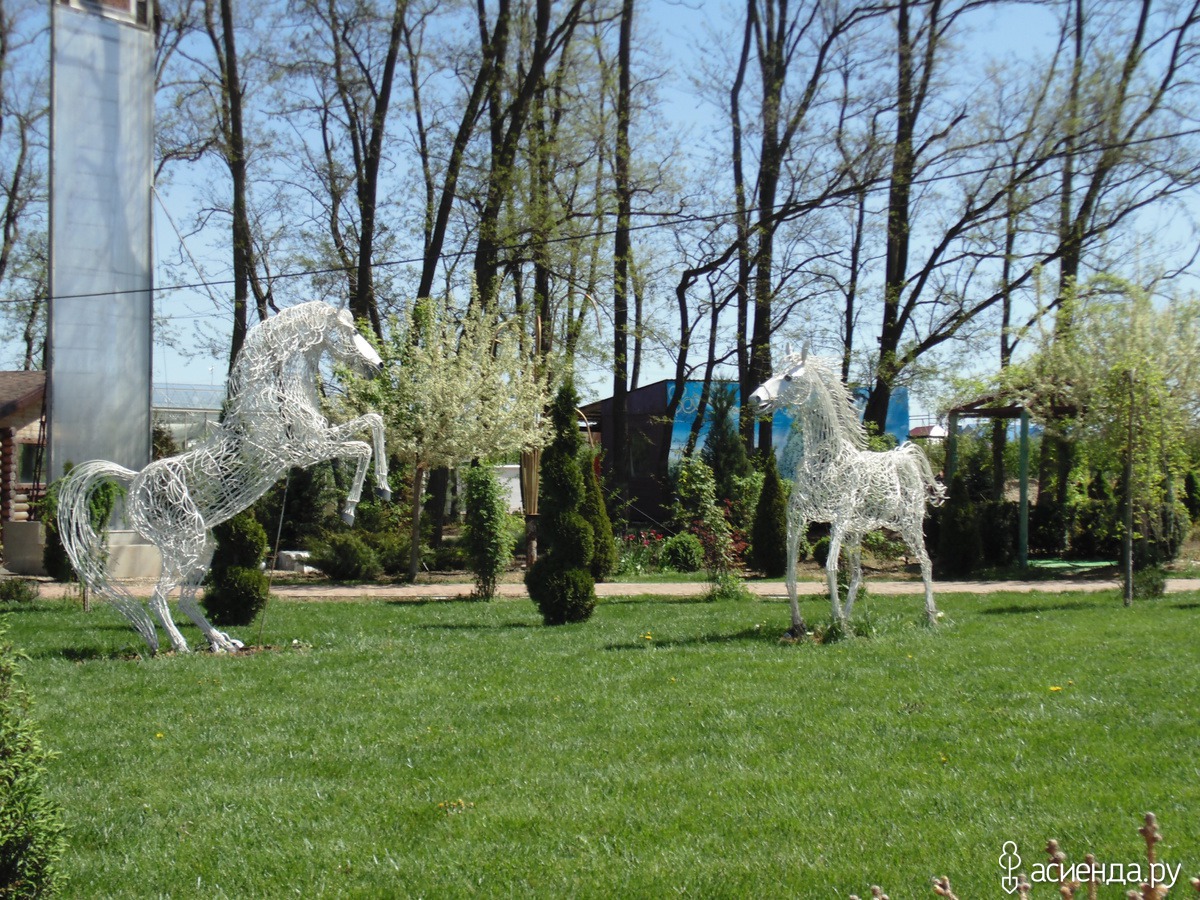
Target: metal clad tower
x,y
101,172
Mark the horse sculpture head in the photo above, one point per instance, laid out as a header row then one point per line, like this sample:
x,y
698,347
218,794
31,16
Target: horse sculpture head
x,y
780,390
347,346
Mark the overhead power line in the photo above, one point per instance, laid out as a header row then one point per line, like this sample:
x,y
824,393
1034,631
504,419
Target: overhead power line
x,y
660,220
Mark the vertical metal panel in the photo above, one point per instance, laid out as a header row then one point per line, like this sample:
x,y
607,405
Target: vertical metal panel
x,y
100,239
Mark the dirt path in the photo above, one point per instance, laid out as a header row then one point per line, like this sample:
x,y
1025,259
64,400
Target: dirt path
x,y
462,590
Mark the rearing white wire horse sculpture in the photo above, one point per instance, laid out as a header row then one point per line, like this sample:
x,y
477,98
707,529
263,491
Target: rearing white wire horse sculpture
x,y
272,422
840,482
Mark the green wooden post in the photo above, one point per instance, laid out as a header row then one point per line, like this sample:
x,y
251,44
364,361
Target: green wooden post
x,y
1023,513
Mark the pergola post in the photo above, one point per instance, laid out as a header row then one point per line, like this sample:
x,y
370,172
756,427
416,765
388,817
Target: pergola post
x,y
1023,512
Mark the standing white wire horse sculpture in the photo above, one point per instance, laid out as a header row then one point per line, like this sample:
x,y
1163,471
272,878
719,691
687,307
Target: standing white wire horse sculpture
x,y
840,482
272,422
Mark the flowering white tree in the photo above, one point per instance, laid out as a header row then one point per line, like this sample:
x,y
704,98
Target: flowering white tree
x,y
453,388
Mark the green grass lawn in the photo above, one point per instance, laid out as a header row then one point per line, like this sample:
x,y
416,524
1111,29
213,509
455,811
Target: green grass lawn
x,y
458,749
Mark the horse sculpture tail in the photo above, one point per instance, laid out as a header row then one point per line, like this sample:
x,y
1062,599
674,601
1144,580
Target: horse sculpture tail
x,y
86,546
937,490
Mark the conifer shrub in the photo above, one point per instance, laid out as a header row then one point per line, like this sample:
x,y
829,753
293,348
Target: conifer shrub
x,y
604,545
998,524
1047,528
237,589
560,583
1191,495
562,595
485,538
960,543
768,534
31,828
724,451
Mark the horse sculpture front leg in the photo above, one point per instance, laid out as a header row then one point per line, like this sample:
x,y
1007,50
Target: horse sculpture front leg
x,y
795,529
831,567
341,447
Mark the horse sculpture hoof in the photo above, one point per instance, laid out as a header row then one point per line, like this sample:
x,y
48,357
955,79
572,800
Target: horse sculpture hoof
x,y
384,494
348,517
223,643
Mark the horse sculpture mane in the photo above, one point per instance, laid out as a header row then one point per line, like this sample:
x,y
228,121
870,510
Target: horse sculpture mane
x,y
273,422
837,480
838,402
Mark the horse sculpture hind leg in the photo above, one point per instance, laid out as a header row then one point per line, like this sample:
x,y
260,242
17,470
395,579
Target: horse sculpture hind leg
x,y
179,557
219,641
836,535
913,535
854,552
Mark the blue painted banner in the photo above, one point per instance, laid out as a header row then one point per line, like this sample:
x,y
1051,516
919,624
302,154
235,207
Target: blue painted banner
x,y
781,423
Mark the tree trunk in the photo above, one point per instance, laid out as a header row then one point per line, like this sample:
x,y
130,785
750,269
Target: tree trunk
x,y
414,555
620,400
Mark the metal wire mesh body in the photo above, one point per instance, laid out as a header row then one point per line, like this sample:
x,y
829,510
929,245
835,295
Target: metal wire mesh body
x,y
837,480
272,422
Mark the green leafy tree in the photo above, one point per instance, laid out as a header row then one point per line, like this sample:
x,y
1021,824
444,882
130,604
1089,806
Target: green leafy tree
x,y
560,583
485,537
454,388
1130,371
31,828
768,535
696,510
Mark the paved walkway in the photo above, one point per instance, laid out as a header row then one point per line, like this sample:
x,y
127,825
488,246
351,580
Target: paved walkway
x,y
455,590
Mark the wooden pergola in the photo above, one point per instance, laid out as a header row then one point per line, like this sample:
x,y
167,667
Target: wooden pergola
x,y
995,407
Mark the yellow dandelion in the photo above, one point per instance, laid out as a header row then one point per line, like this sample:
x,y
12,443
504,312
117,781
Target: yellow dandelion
x,y
158,736
1055,687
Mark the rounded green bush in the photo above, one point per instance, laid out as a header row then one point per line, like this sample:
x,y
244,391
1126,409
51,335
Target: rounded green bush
x,y
1149,583
683,552
345,557
19,590
236,596
820,552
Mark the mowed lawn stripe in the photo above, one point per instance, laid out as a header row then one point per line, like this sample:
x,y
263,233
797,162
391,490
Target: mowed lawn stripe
x,y
462,749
